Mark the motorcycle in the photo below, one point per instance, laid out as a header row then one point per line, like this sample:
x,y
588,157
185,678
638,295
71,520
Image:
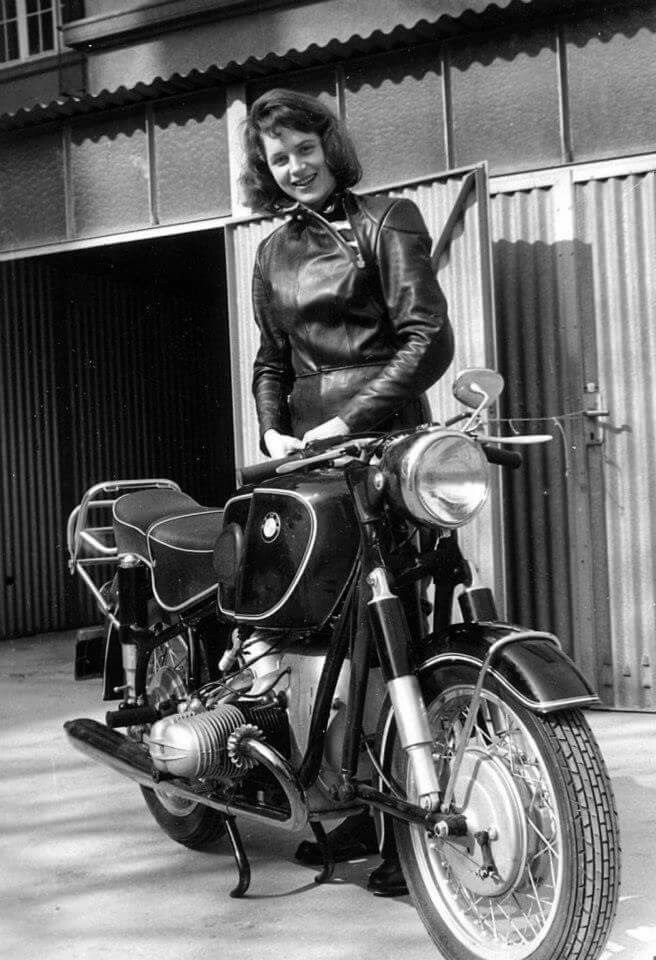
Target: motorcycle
x,y
273,664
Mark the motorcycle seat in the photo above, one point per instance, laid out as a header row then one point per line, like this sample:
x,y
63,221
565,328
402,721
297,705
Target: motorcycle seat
x,y
175,536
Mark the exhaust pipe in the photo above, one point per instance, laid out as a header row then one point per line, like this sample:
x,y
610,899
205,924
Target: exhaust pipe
x,y
127,758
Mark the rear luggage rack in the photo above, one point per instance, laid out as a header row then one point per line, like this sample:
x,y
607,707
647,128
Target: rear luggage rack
x,y
92,546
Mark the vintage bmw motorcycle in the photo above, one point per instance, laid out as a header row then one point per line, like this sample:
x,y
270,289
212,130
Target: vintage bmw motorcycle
x,y
272,664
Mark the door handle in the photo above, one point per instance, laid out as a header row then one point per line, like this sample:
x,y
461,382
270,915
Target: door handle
x,y
595,434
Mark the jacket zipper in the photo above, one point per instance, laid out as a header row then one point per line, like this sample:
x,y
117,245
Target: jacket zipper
x,y
359,259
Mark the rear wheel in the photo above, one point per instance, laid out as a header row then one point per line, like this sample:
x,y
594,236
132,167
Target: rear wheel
x,y
192,824
545,885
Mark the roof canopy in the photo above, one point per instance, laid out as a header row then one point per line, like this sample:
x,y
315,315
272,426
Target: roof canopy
x,y
234,40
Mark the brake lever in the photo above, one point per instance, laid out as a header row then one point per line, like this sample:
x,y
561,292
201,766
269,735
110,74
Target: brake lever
x,y
348,450
519,440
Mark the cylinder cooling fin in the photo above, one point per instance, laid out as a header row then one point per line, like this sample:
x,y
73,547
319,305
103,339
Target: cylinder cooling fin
x,y
237,755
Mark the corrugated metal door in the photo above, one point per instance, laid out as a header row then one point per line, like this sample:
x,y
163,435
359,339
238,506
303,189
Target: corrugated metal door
x,y
550,572
616,223
573,251
454,206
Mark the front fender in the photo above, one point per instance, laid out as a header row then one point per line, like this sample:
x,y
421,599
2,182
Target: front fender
x,y
535,669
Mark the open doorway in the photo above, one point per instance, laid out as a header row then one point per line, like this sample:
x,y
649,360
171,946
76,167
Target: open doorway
x,y
144,344
116,364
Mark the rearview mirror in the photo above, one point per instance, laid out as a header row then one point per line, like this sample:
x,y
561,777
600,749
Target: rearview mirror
x,y
478,387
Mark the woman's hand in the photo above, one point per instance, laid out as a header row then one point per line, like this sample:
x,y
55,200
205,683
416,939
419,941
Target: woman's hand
x,y
280,445
331,428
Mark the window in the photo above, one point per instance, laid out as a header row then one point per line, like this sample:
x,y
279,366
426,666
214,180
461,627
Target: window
x,y
28,28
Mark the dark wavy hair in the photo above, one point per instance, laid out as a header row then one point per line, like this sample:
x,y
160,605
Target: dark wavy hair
x,y
295,111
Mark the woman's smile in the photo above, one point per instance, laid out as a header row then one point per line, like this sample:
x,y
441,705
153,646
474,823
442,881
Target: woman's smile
x,y
305,182
297,163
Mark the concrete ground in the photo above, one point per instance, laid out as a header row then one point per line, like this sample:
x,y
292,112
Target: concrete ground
x,y
86,873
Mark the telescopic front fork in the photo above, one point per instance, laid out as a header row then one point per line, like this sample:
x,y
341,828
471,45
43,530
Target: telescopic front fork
x,y
412,723
393,639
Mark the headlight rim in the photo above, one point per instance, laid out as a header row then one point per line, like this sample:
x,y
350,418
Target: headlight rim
x,y
400,464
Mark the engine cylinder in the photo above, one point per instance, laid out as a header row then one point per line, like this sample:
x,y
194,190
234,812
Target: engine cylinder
x,y
196,745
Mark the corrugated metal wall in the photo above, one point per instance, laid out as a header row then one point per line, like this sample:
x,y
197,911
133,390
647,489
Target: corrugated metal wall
x,y
617,222
31,565
464,274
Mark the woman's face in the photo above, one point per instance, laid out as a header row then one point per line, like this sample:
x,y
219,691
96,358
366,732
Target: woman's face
x,y
298,165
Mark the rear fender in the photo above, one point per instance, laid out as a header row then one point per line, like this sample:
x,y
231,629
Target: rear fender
x,y
533,668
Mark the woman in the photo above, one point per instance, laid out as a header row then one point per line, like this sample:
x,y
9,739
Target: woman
x,y
353,324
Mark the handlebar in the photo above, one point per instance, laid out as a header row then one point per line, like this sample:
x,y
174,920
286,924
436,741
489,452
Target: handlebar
x,y
314,453
504,458
259,472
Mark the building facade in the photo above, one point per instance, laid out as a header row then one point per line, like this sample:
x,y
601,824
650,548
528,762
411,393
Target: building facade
x,y
126,257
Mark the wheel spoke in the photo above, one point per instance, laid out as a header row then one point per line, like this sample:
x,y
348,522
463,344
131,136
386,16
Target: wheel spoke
x,y
512,923
549,846
494,922
528,917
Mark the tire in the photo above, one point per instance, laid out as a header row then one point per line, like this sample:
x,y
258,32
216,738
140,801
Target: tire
x,y
541,784
191,824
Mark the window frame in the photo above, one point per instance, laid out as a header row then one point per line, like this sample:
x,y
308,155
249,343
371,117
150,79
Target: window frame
x,y
23,35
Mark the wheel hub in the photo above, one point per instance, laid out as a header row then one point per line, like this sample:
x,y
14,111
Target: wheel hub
x,y
489,797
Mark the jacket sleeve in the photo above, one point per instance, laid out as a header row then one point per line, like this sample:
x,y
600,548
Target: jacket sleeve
x,y
273,374
417,312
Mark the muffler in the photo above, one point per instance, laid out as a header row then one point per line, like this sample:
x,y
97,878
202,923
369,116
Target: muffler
x,y
126,757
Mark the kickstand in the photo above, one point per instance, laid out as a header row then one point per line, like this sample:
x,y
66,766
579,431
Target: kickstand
x,y
326,853
240,858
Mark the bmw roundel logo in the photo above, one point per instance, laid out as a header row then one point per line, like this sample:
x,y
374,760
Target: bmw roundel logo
x,y
270,527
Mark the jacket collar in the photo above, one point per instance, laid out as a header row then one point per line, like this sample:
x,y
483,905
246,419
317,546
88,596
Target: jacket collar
x,y
300,211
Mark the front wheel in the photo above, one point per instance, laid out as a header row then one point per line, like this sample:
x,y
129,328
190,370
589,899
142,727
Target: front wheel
x,y
541,880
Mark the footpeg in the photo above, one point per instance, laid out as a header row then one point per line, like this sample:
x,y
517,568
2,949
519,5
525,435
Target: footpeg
x,y
131,717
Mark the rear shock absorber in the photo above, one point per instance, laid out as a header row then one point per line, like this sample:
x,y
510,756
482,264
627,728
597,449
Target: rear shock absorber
x,y
133,592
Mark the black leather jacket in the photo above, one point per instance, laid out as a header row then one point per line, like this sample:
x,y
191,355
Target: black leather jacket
x,y
356,331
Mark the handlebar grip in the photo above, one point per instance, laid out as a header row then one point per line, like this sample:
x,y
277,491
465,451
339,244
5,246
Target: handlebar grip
x,y
266,470
505,458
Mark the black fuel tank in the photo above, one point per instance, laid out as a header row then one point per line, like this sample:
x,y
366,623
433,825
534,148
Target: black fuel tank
x,y
300,542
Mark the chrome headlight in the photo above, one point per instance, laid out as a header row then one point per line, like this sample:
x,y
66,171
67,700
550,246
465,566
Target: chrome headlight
x,y
438,476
